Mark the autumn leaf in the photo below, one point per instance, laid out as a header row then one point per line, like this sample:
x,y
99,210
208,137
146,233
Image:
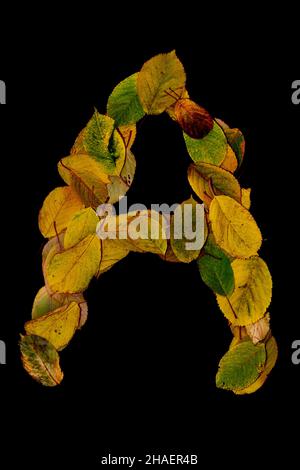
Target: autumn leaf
x,y
40,359
235,139
193,119
211,149
230,162
124,104
272,354
103,143
171,109
170,255
246,198
158,75
58,209
82,224
120,184
87,177
112,251
185,246
234,228
128,134
241,366
141,232
258,331
215,269
252,294
208,181
72,270
45,302
58,326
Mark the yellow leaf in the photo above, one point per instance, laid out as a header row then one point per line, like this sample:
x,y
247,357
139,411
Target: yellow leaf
x,y
163,73
58,326
87,176
58,209
57,242
142,232
128,134
252,293
72,270
234,228
78,147
112,251
209,180
83,223
230,162
246,198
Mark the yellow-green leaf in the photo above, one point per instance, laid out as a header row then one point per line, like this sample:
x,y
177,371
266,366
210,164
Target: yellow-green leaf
x,y
58,326
235,139
252,294
103,143
272,354
234,228
241,366
87,177
82,224
124,104
45,302
41,360
58,209
72,270
187,246
211,149
209,181
163,73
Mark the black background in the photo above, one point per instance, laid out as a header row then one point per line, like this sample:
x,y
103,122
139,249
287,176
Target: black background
x,y
140,375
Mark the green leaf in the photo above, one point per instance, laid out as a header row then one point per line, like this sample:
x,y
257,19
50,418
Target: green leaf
x,y
215,269
211,149
159,75
241,366
103,143
124,104
41,360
